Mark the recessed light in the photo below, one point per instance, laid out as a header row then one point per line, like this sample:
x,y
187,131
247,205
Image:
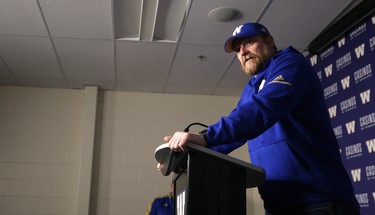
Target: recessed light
x,y
224,14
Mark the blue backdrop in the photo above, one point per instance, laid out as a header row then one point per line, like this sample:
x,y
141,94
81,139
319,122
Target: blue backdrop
x,y
345,71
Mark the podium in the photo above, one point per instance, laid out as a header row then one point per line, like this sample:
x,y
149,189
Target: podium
x,y
207,182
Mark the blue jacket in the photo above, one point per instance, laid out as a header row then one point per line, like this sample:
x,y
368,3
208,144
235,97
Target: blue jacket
x,y
283,117
161,206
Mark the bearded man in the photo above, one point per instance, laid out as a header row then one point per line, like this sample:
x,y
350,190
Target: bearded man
x,y
282,116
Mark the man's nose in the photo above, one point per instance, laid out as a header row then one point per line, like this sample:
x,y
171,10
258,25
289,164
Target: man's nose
x,y
243,51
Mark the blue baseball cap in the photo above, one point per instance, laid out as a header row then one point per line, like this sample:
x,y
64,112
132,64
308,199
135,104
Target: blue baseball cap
x,y
246,30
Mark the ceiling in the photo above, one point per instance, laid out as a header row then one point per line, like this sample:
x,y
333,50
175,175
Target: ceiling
x,y
162,46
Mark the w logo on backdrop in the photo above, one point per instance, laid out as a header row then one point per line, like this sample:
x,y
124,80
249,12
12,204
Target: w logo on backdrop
x,y
365,96
360,50
314,60
370,145
341,42
345,82
328,70
356,174
332,111
350,127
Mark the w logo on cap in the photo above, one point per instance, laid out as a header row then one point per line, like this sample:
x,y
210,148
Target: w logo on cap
x,y
237,30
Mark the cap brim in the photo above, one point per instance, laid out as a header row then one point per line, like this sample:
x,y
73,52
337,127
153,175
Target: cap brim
x,y
228,46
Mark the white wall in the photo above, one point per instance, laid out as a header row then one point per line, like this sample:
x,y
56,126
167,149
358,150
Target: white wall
x,y
40,140
41,135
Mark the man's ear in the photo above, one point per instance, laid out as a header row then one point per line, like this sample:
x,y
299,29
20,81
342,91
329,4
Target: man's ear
x,y
270,40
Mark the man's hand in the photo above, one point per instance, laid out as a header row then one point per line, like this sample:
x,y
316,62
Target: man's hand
x,y
179,140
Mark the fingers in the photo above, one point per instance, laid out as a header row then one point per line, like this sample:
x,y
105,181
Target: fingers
x,y
178,141
167,138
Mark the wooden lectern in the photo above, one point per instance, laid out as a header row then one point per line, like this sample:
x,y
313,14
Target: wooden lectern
x,y
208,182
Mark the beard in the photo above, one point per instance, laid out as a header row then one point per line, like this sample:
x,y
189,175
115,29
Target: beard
x,y
255,62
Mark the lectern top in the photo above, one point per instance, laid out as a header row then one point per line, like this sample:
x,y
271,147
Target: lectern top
x,y
171,160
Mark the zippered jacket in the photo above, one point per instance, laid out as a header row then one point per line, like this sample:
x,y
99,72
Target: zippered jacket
x,y
282,116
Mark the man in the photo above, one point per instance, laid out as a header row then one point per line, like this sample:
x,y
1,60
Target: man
x,y
283,117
